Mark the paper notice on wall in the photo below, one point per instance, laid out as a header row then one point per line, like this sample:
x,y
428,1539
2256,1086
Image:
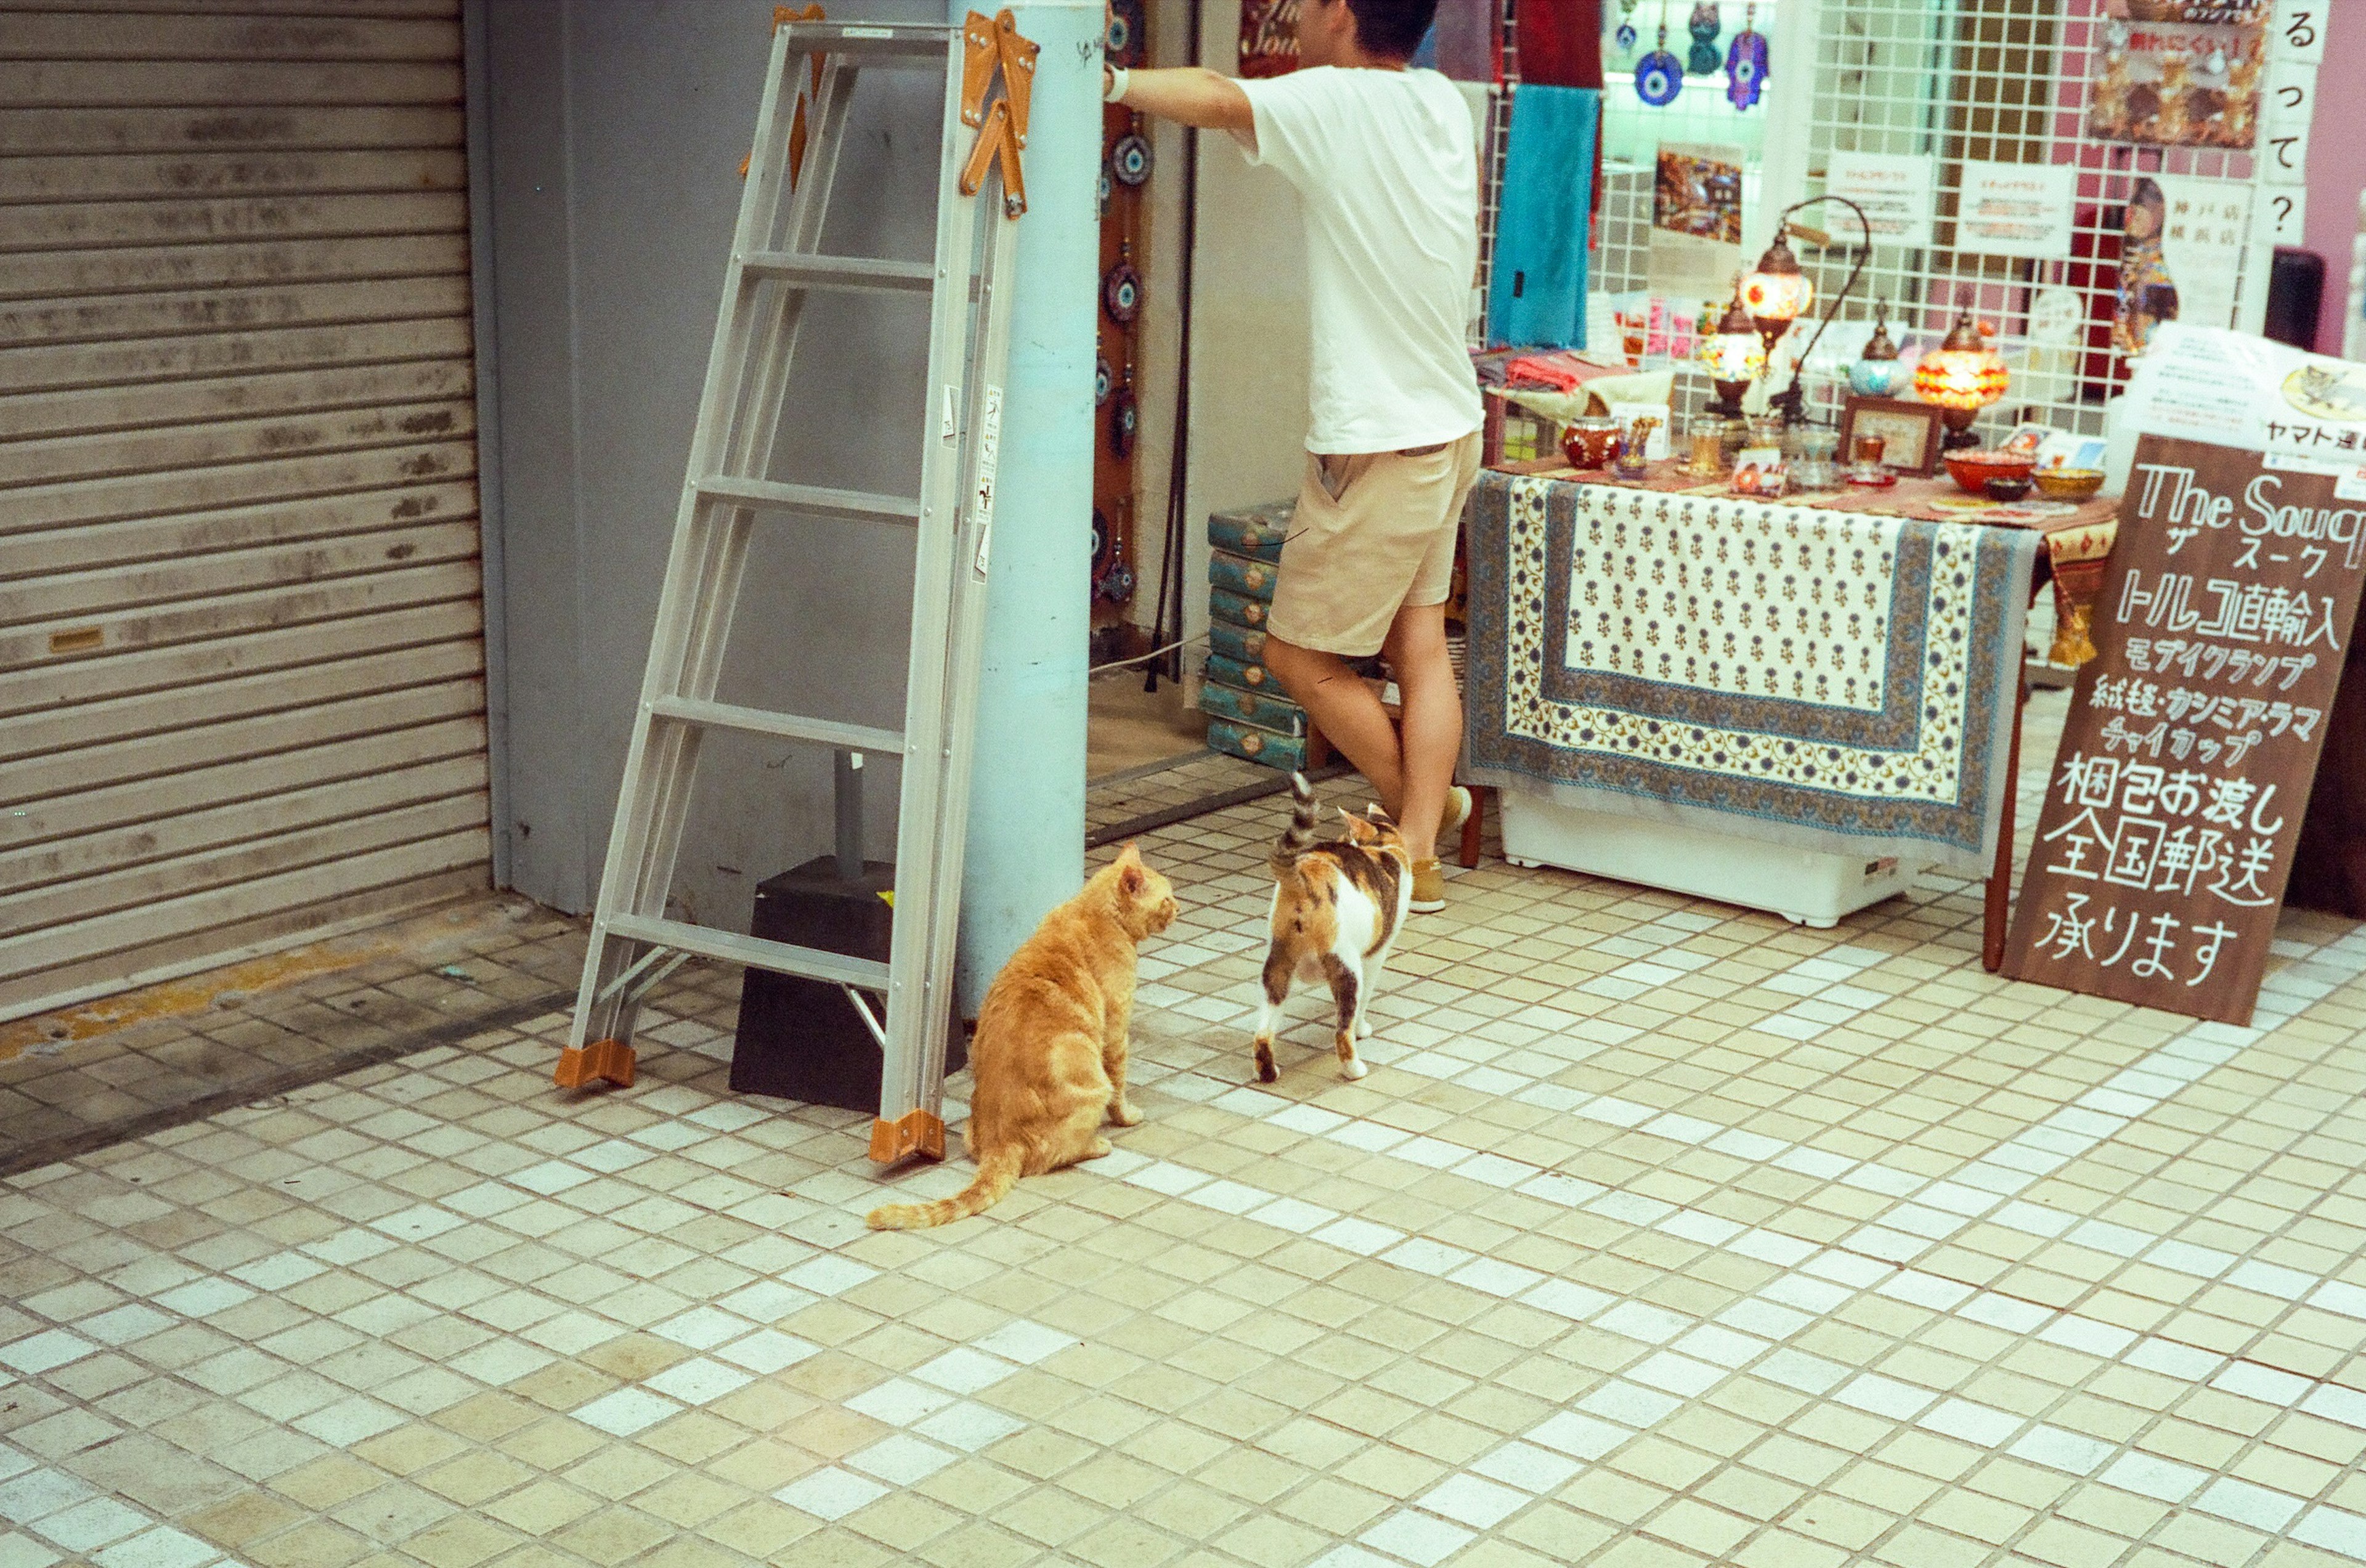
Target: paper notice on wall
x,y
1697,220
1894,190
2212,383
2016,209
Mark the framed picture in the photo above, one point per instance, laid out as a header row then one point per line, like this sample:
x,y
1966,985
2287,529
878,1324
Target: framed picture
x,y
1908,431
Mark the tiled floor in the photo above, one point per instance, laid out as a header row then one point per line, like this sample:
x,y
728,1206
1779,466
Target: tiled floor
x,y
1660,1234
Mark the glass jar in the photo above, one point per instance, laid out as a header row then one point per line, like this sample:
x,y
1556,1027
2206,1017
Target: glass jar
x,y
1811,453
1766,430
1706,457
1634,461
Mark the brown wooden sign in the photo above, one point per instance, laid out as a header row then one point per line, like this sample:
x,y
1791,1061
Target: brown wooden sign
x,y
2176,800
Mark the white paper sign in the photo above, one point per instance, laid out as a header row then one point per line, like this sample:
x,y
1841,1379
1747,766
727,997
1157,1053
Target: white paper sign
x,y
2201,245
1893,188
2016,209
2298,30
2210,384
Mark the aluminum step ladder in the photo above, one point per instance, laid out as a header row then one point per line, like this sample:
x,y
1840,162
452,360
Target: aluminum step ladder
x,y
775,269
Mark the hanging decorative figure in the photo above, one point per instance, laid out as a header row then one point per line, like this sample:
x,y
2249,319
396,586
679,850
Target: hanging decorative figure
x,y
1705,26
1625,35
1745,62
1658,76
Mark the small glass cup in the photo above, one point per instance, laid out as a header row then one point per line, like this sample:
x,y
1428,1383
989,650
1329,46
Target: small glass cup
x,y
1811,455
1864,454
1705,442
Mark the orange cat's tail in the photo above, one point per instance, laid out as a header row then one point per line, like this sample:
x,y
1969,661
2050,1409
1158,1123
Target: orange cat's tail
x,y
995,1172
1295,839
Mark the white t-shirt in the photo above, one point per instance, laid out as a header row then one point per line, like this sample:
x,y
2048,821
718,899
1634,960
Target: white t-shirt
x,y
1388,169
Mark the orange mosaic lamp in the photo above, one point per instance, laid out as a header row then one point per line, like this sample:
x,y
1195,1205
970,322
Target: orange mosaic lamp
x,y
1961,376
1777,292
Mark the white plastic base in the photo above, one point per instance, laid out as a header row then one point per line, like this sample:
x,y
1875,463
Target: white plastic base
x,y
1804,886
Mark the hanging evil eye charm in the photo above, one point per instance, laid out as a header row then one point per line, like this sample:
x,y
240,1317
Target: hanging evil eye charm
x,y
1116,585
1108,191
1625,37
1130,158
1104,546
1102,379
1745,69
1659,77
1122,293
1126,32
1705,26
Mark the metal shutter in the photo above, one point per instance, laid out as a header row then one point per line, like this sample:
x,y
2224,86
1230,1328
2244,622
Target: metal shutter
x,y
242,663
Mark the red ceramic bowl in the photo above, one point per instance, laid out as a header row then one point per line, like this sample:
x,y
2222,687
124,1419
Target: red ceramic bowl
x,y
1973,470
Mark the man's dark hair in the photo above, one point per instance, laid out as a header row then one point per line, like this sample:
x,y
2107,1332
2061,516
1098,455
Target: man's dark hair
x,y
1392,28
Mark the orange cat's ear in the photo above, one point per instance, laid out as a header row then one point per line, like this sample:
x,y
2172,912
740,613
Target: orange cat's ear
x,y
1129,880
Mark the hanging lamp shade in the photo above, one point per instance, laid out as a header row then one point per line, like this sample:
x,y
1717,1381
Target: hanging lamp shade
x,y
1777,292
1964,374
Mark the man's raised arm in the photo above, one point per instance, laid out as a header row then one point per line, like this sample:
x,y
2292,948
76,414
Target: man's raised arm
x,y
1190,94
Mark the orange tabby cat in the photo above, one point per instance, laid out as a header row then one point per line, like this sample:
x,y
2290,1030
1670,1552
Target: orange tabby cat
x,y
1049,1058
1336,908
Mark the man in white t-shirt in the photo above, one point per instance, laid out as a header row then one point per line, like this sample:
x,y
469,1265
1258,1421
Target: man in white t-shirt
x,y
1386,166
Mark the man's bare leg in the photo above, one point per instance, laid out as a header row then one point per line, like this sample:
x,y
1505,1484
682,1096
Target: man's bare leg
x,y
1430,741
1344,709
1413,772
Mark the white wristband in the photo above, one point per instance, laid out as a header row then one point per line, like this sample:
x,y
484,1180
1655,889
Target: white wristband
x,y
1115,92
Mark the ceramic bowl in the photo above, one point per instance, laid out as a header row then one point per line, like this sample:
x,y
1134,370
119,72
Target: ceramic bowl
x,y
2006,486
1973,470
1590,443
2069,484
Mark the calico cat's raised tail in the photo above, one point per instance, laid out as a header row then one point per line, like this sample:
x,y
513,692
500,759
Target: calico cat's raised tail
x,y
1337,909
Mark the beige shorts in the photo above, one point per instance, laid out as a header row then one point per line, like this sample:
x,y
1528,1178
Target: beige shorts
x,y
1373,533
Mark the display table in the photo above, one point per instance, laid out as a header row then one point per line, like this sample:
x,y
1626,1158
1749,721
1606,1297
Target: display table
x,y
1788,706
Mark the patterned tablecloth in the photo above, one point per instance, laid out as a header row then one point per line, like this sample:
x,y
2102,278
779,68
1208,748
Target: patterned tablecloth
x,y
1821,679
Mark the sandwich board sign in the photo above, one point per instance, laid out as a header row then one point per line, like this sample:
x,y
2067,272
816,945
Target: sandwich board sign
x,y
2174,805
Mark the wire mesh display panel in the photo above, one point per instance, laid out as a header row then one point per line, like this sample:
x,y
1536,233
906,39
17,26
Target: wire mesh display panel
x,y
1976,99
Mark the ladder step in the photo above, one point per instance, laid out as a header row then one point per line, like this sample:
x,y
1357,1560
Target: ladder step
x,y
853,273
780,957
785,725
814,501
924,39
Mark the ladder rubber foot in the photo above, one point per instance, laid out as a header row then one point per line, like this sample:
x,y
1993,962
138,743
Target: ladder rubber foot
x,y
917,1133
612,1060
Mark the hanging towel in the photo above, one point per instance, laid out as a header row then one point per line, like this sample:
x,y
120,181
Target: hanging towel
x,y
1536,294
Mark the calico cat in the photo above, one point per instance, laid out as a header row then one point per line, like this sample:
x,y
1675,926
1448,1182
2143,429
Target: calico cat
x,y
1049,1057
1336,908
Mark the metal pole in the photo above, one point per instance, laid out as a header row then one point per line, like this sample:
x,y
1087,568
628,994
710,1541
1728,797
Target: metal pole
x,y
1026,794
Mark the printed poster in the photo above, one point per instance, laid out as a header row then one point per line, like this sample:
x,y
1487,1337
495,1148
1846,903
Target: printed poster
x,y
2177,257
1697,220
2016,209
2178,85
1894,189
1268,37
2174,809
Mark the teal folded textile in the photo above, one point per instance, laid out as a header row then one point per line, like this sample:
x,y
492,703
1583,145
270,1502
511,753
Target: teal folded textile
x,y
1538,292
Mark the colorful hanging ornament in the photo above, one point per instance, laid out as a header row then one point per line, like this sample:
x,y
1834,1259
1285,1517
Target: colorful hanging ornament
x,y
1705,26
1130,158
1104,378
1658,76
1122,288
1125,418
1126,33
1625,34
1745,62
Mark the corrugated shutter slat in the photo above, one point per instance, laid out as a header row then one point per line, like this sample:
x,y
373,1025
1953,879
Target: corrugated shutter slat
x,y
242,663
